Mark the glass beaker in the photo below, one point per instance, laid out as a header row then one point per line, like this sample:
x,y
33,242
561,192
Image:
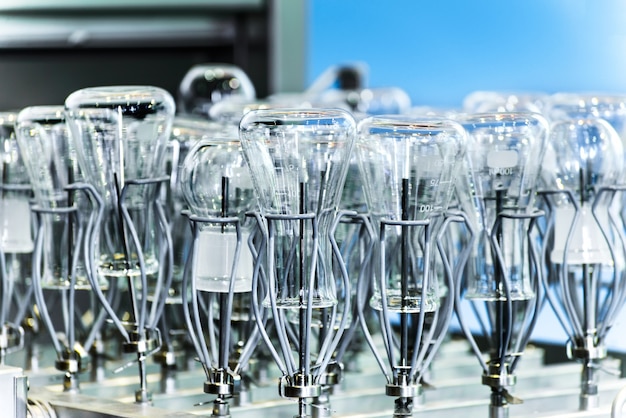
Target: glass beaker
x,y
206,84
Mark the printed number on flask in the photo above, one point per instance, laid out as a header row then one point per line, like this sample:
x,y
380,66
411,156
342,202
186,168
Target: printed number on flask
x,y
501,171
502,162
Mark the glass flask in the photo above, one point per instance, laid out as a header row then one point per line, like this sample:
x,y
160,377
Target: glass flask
x,y
217,284
573,105
215,183
298,160
584,155
500,287
583,244
206,84
16,240
45,145
483,101
50,159
187,131
408,168
230,111
503,166
15,216
120,134
62,214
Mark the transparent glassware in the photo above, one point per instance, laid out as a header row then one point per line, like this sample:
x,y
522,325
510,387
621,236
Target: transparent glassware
x,y
230,111
216,184
503,169
15,217
43,140
582,184
408,167
59,258
217,188
206,84
16,239
483,101
50,160
582,105
120,134
500,288
297,169
610,107
187,132
298,160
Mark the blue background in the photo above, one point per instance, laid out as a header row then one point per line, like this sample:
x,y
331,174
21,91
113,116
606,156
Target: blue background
x,y
441,50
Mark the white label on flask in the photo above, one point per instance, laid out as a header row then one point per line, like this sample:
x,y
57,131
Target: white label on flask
x,y
214,261
16,226
243,177
502,159
587,244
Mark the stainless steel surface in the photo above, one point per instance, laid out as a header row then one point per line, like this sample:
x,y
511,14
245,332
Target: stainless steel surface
x,y
453,389
13,391
72,405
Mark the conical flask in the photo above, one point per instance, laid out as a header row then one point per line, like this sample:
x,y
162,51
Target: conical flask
x,y
120,134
